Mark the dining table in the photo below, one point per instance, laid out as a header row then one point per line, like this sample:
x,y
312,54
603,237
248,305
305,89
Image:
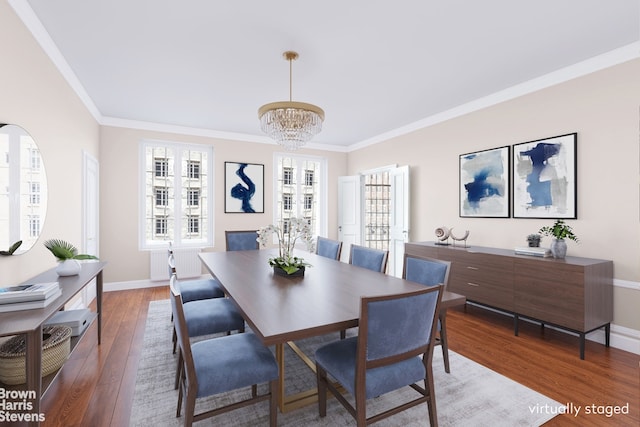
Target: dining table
x,y
281,309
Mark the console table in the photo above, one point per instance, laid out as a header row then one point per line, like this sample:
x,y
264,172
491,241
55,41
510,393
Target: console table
x,y
30,323
575,294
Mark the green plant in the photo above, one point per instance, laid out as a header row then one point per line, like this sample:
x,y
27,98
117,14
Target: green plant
x,y
12,248
64,250
560,230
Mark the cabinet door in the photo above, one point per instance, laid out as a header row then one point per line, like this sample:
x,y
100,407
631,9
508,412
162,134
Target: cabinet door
x,y
553,292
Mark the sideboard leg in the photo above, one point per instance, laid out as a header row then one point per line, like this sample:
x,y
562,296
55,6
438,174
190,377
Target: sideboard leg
x,y
515,324
607,334
582,339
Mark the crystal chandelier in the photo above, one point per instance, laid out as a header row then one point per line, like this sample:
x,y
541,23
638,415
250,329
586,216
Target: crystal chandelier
x,y
290,123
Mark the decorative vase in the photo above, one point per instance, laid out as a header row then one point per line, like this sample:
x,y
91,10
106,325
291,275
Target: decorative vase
x,y
558,248
280,272
68,267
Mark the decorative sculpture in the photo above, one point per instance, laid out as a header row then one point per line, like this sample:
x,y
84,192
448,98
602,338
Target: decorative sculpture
x,y
442,236
458,239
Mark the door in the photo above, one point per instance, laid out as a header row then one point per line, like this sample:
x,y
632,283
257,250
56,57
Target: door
x,y
399,218
349,213
90,216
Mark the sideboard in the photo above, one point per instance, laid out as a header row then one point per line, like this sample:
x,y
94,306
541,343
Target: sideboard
x,y
575,294
30,323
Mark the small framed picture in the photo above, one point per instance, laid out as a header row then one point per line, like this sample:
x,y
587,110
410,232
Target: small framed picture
x,y
545,178
484,183
244,188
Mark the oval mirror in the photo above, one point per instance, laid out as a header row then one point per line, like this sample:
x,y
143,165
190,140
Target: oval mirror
x,y
23,190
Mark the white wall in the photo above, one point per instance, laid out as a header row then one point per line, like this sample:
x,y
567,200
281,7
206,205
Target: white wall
x,y
34,96
603,108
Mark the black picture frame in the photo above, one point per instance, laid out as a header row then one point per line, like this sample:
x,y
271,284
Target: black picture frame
x,y
545,175
243,187
484,183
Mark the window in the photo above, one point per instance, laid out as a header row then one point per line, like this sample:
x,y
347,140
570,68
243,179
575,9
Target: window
x,y
35,159
300,186
176,187
34,225
161,167
34,195
193,197
193,169
162,196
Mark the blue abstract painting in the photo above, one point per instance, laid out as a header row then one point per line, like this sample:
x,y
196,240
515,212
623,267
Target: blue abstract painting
x,y
484,183
544,178
244,188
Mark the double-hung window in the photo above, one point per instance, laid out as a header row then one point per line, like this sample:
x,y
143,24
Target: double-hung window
x,y
176,188
300,191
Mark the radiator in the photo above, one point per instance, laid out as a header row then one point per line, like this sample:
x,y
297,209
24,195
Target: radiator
x,y
187,264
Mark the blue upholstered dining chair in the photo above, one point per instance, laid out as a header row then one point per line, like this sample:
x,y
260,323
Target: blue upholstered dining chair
x,y
219,365
394,330
196,289
328,248
206,317
431,271
241,240
373,259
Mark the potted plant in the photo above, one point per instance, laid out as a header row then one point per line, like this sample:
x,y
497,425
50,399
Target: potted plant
x,y
285,263
534,240
559,231
67,255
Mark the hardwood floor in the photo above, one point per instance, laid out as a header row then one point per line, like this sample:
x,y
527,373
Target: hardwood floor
x,y
95,387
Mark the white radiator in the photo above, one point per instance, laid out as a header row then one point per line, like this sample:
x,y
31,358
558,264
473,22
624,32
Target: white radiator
x,y
187,264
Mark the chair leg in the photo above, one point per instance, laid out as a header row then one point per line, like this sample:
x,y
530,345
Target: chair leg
x,y
175,340
443,343
321,378
431,402
273,403
361,409
343,334
178,370
254,390
179,409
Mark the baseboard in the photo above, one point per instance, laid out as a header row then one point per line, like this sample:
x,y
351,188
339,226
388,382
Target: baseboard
x,y
140,284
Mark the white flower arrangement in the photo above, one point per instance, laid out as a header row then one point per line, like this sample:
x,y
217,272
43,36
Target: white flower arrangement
x,y
298,229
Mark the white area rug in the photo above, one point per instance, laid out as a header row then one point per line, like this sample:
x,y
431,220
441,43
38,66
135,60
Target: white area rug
x,y
471,395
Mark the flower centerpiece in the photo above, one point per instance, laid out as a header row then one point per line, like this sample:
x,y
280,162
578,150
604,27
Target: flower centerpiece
x,y
296,229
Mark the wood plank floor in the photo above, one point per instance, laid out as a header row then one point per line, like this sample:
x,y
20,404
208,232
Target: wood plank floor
x,y
95,387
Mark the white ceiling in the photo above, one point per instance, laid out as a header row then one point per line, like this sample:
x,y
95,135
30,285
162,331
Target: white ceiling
x,y
376,67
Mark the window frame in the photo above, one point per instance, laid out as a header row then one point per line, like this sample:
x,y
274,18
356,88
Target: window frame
x,y
180,209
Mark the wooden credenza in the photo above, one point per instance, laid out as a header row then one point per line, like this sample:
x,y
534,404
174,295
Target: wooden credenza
x,y
574,293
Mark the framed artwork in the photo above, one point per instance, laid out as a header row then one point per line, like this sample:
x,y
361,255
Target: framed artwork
x,y
545,178
243,188
484,183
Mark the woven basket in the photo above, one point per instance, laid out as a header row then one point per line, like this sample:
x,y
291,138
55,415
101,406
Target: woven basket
x,y
56,345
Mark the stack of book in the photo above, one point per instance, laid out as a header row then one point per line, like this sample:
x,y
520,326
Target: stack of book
x,y
29,296
539,252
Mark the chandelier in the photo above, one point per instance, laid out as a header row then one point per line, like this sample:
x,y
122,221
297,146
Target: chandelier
x,y
290,123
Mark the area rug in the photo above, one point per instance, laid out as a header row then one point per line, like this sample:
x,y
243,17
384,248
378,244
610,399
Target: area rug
x,y
471,395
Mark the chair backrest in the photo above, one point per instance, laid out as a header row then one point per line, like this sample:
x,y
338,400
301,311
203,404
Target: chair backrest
x,y
328,248
182,334
171,261
241,240
427,271
373,259
397,327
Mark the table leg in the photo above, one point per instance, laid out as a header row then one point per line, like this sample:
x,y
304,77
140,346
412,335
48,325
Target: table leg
x,y
34,368
99,303
280,362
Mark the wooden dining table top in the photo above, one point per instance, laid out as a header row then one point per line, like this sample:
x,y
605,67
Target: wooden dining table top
x,y
326,299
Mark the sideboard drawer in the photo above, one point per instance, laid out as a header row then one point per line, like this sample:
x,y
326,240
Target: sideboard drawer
x,y
485,279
